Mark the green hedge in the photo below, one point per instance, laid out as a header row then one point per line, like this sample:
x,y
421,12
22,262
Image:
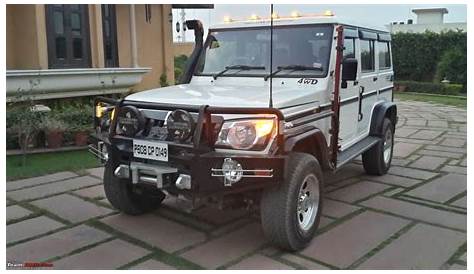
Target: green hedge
x,y
430,56
428,87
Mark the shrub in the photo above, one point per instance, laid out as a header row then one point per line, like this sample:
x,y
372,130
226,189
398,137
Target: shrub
x,y
416,55
453,66
428,87
179,67
163,80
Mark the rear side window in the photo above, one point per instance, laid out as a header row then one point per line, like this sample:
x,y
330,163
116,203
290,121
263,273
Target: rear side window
x,y
349,48
367,55
384,55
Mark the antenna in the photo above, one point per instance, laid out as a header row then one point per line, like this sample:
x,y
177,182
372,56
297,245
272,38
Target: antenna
x,y
270,103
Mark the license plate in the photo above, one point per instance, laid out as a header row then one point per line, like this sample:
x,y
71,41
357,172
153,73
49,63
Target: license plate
x,y
150,150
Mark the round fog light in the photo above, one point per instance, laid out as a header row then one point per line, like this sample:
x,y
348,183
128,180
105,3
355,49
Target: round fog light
x,y
232,170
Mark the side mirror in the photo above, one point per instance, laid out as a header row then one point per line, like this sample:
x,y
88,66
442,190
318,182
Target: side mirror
x,y
349,69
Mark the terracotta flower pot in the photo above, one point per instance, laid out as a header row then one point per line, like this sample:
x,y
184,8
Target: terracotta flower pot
x,y
54,138
80,138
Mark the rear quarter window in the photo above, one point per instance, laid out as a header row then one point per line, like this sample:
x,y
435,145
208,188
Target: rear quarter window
x,y
384,55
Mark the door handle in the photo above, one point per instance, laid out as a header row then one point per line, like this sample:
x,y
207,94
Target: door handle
x,y
375,78
356,83
360,116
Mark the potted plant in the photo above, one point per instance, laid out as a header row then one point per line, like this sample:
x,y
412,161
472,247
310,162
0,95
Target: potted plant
x,y
80,122
54,131
81,134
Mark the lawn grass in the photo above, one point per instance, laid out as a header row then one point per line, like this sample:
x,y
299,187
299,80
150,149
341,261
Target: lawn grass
x,y
46,163
432,98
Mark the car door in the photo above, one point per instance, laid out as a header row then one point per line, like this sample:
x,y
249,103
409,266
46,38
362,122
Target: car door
x,y
349,95
368,83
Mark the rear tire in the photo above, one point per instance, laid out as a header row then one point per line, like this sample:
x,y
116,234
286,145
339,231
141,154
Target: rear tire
x,y
377,159
126,197
290,212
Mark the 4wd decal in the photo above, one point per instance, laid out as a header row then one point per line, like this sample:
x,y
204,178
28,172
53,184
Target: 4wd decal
x,y
308,81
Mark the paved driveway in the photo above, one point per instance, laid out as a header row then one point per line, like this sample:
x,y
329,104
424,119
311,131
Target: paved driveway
x,y
412,218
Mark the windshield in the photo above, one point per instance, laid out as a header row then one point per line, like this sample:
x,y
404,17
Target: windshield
x,y
305,46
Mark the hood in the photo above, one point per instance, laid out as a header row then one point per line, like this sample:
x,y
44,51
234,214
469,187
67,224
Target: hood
x,y
229,95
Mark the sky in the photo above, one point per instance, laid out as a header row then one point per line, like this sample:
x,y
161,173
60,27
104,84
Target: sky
x,y
373,15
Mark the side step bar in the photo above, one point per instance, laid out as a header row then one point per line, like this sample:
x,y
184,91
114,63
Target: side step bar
x,y
351,153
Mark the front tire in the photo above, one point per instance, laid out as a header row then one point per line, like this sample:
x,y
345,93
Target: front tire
x,y
290,212
126,197
377,159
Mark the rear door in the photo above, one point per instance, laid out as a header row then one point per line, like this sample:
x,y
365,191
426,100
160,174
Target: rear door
x,y
368,83
349,94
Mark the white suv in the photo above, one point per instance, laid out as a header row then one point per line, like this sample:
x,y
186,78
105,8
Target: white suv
x,y
245,128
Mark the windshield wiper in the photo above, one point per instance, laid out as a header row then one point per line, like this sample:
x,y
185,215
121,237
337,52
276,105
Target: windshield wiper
x,y
292,68
240,67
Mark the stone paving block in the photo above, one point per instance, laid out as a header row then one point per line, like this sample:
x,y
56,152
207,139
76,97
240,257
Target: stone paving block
x,y
307,264
347,172
457,267
426,134
438,123
92,192
453,162
260,262
412,173
344,244
428,162
419,212
416,141
393,192
394,180
453,142
105,201
337,209
325,221
152,264
109,255
399,162
422,247
454,169
441,153
460,202
441,189
447,149
404,132
52,188
227,248
13,185
357,191
17,212
156,231
71,208
403,150
30,228
328,187
97,172
416,122
57,244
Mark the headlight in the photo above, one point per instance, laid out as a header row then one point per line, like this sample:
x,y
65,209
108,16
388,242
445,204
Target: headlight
x,y
251,134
